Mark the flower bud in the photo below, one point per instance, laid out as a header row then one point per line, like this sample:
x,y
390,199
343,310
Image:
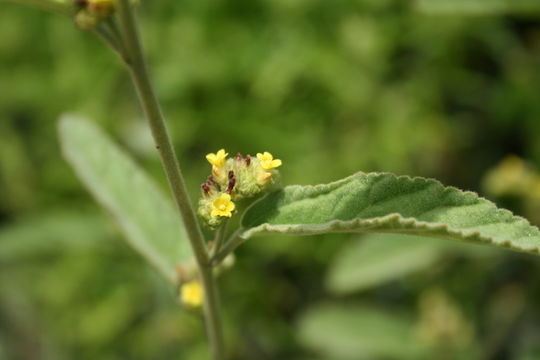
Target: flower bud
x,y
101,8
91,12
86,21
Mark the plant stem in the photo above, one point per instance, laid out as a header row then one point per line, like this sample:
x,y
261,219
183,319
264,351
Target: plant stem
x,y
230,245
104,33
219,237
136,63
212,316
139,73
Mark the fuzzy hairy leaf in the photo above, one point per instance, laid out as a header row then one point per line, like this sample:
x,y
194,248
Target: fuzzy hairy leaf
x,y
147,219
383,202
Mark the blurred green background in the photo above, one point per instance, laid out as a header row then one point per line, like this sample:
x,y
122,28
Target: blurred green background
x,y
436,88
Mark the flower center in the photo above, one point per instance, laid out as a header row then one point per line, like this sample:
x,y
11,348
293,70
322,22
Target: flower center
x,y
222,207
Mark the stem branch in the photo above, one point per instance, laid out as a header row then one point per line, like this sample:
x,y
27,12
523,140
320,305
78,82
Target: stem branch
x,y
230,245
219,237
109,38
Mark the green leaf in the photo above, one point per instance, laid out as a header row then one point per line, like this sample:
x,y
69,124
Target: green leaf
x,y
382,202
375,259
477,7
359,332
148,220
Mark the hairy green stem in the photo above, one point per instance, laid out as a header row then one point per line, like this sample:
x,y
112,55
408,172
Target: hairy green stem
x,y
112,26
219,237
48,5
230,245
109,38
212,315
139,72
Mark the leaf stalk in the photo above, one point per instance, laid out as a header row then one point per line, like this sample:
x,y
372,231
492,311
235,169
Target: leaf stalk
x,y
230,245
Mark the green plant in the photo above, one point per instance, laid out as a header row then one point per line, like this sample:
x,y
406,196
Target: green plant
x,y
360,203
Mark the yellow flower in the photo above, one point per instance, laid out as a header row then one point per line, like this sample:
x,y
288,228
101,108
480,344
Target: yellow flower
x,y
191,294
217,159
222,206
267,161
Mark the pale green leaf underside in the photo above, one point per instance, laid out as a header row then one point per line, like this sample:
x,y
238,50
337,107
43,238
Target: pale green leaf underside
x,y
147,219
382,202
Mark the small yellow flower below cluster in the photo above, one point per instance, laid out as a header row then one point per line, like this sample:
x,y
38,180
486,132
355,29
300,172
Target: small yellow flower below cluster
x,y
222,206
267,161
217,159
191,294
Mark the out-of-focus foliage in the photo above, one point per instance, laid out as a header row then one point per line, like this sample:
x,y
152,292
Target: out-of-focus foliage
x,y
515,181
374,259
360,332
329,87
478,6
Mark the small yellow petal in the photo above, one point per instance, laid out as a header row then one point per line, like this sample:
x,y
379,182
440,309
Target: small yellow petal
x,y
267,161
265,156
222,206
222,153
211,157
217,159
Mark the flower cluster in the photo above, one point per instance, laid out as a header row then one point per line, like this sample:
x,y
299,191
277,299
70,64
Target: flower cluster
x,y
234,178
91,12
